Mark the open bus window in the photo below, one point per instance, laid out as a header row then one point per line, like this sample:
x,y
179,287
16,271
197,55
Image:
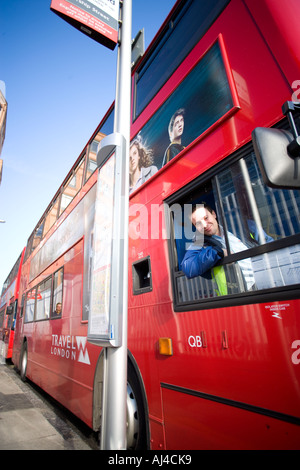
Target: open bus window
x,y
57,294
251,243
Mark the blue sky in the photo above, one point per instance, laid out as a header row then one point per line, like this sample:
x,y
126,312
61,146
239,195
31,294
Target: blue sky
x,y
59,84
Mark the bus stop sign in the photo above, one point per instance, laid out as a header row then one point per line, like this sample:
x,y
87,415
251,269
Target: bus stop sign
x,y
98,19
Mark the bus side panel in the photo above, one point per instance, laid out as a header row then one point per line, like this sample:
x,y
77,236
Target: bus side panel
x,y
61,361
238,354
203,424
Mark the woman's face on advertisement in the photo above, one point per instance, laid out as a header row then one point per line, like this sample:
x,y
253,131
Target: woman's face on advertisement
x,y
133,158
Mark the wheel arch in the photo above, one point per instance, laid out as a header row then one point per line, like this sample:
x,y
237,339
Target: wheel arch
x,y
135,369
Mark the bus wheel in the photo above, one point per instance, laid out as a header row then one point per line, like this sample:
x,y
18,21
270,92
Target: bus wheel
x,y
132,419
136,422
24,359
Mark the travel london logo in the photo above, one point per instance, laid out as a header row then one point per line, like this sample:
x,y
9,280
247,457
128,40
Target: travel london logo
x,y
69,347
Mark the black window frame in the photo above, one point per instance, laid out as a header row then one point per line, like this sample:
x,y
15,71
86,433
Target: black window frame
x,y
243,298
35,288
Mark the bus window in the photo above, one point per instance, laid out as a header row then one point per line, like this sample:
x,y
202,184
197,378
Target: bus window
x,y
105,129
10,312
254,210
38,235
51,215
2,317
57,294
22,306
201,100
177,39
30,305
92,159
92,155
72,187
43,300
29,246
237,213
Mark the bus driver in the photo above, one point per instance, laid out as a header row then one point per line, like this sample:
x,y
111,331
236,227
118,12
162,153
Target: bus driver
x,y
200,258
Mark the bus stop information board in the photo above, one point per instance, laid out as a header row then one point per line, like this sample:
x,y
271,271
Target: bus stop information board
x,y
107,286
97,19
100,324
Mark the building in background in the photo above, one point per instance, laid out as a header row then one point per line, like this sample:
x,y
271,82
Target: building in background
x,y
3,113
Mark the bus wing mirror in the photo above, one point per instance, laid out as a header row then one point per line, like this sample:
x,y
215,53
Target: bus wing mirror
x,y
277,156
10,310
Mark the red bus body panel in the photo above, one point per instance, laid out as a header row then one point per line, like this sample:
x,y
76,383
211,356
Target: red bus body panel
x,y
9,297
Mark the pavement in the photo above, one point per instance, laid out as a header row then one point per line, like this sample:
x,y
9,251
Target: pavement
x,y
31,420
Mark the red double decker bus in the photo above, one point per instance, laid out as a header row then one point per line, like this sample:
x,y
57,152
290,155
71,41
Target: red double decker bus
x,y
8,307
213,300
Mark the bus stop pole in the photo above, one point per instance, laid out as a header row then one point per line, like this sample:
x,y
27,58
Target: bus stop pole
x,y
114,418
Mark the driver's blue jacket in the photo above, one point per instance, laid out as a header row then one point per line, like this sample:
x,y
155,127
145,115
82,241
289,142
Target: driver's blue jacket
x,y
198,261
